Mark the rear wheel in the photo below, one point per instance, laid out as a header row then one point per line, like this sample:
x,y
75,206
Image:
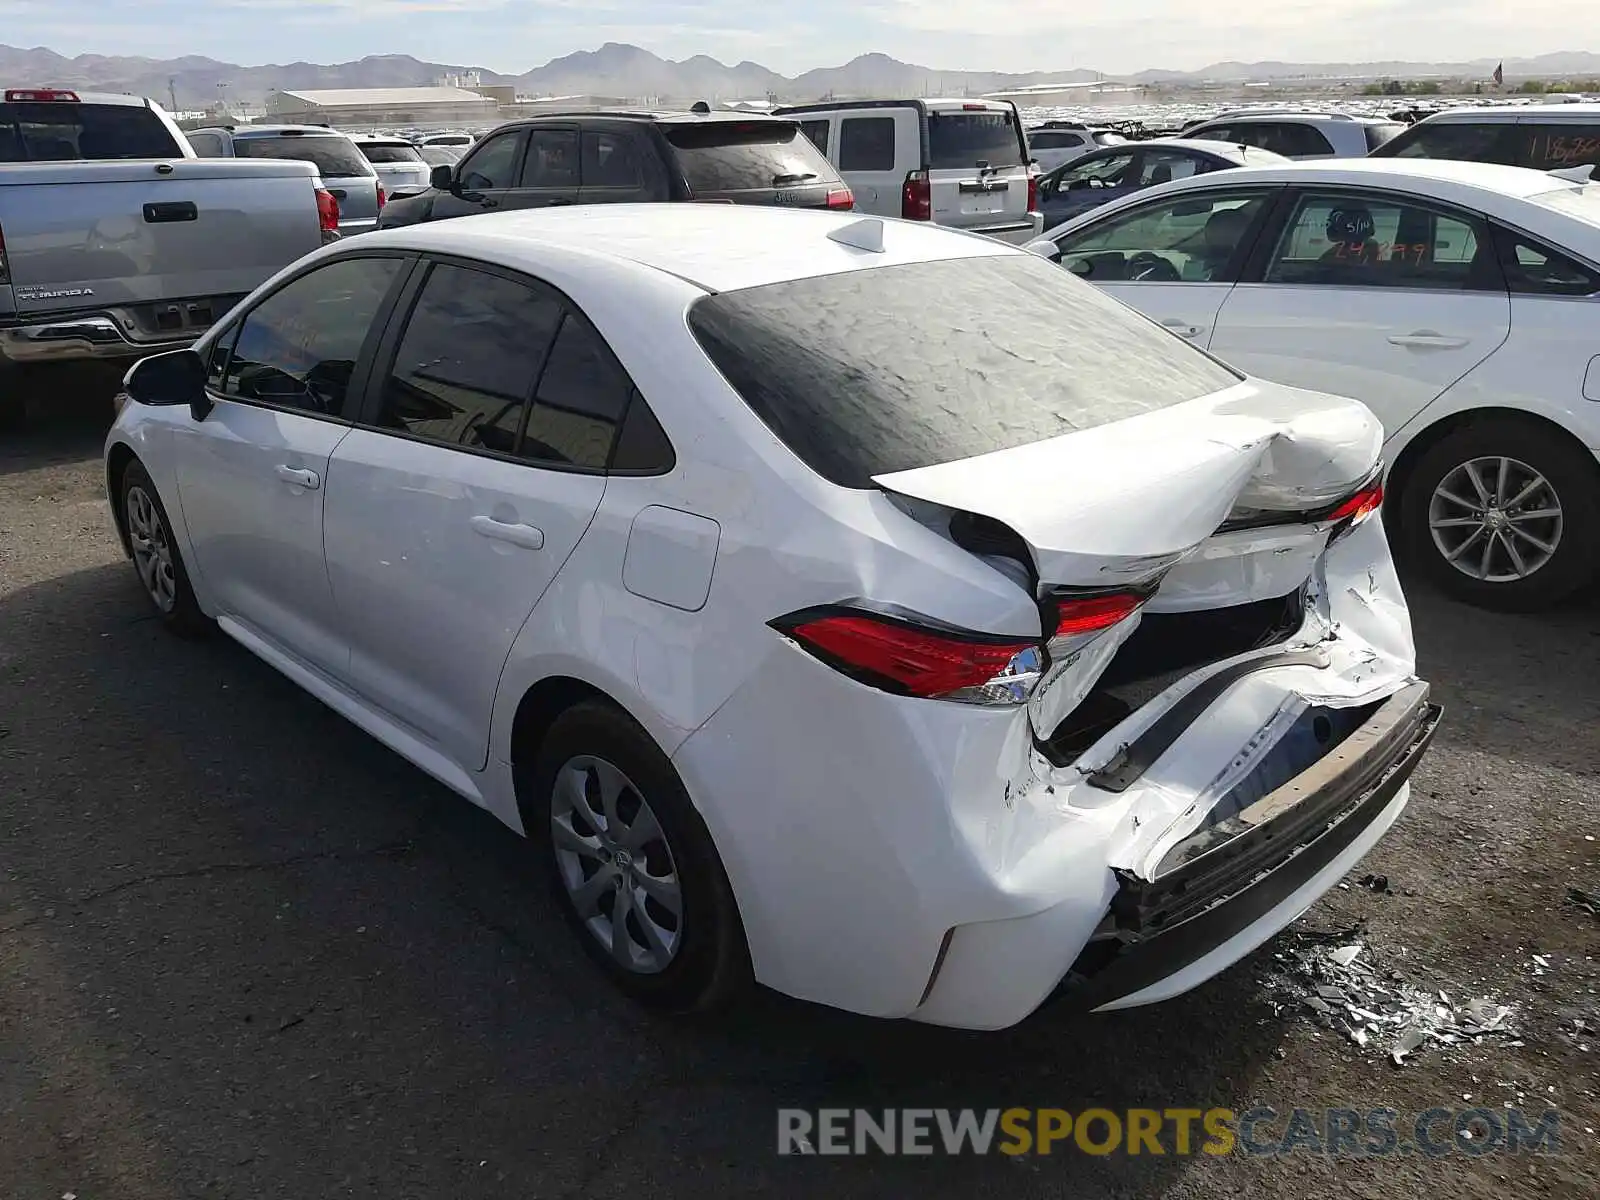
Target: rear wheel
x,y
1505,514
633,865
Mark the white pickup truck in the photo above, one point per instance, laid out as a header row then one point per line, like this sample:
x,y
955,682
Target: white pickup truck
x,y
117,242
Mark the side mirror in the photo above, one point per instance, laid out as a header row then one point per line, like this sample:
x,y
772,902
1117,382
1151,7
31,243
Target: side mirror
x,y
165,380
1044,248
442,179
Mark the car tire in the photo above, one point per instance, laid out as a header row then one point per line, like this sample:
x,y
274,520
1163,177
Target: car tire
x,y
613,825
1445,523
157,561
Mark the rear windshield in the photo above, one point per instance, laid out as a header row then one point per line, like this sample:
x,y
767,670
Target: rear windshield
x,y
739,156
392,152
858,376
1381,133
334,157
1488,141
57,131
961,140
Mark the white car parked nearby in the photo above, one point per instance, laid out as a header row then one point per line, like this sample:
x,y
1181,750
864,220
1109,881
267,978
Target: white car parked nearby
x,y
918,660
1459,301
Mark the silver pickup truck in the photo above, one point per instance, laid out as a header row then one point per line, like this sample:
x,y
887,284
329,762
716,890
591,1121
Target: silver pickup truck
x,y
116,242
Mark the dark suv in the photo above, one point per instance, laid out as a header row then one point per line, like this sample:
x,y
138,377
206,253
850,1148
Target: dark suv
x,y
598,157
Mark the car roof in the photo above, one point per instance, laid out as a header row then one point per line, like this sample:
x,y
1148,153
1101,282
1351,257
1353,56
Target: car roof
x,y
1585,110
713,246
1433,173
921,103
663,116
240,131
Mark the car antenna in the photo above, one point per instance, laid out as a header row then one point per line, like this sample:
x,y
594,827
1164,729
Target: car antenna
x,y
866,234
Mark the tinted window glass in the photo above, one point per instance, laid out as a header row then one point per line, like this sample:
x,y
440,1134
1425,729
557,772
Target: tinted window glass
x,y
1468,142
642,446
467,359
335,157
299,346
866,144
964,139
59,131
1109,169
1289,138
1107,138
206,145
1382,133
1192,239
1557,145
581,397
1163,166
393,152
493,165
857,375
1536,270
552,160
610,160
734,156
1369,241
1054,141
817,131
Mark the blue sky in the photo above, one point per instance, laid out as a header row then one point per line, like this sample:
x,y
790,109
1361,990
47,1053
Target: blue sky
x,y
1109,35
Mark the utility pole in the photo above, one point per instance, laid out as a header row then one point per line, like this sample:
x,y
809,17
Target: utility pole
x,y
172,93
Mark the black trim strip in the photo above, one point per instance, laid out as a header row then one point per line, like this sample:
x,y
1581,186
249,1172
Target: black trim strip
x,y
1131,762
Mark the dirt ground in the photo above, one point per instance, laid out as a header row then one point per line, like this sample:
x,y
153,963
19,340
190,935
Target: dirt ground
x,y
245,951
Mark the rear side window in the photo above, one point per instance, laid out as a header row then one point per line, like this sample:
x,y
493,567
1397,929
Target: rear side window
x,y
1488,142
866,144
1535,270
392,153
1289,138
583,393
62,131
1381,133
334,157
859,377
740,156
610,160
961,140
817,131
1557,145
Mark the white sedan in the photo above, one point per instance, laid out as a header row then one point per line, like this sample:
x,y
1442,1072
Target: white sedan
x,y
921,660
1459,301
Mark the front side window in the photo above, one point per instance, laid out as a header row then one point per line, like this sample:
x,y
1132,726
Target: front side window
x,y
1353,240
467,360
298,348
610,160
866,144
859,377
1109,171
493,165
1191,239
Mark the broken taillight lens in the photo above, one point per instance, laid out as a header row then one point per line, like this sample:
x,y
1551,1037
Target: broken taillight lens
x,y
1078,615
1359,506
911,659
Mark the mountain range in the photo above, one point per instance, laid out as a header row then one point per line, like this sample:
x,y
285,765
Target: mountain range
x,y
630,72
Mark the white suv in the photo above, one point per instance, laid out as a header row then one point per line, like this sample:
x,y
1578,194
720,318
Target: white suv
x,y
961,163
1563,138
1056,143
1300,135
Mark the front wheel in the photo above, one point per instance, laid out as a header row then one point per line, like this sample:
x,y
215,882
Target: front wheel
x,y
632,864
156,558
1504,514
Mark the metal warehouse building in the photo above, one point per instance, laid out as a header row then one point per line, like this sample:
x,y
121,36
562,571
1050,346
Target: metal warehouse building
x,y
418,106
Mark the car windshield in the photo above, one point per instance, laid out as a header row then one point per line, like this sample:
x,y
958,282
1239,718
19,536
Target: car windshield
x,y
858,376
961,140
57,131
391,152
334,157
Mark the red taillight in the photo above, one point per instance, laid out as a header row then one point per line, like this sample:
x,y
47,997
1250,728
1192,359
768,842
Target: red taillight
x,y
913,660
381,197
327,210
1359,506
1033,192
841,197
40,96
916,197
1090,614
975,108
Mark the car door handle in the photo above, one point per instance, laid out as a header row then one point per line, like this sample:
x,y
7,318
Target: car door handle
x,y
525,536
1182,329
299,476
1427,339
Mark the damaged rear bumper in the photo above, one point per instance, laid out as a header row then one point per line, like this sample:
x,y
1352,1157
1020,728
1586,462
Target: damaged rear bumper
x,y
1232,885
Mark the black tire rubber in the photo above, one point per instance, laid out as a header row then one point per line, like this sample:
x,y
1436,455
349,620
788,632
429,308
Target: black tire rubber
x,y
1571,470
711,970
185,619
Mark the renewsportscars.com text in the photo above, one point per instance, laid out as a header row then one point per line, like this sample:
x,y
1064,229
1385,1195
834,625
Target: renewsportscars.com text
x,y
1261,1131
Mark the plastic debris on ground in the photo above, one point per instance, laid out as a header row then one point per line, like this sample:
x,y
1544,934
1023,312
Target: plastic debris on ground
x,y
1341,983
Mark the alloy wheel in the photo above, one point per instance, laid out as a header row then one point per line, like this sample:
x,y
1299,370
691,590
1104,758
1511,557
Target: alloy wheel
x,y
152,549
615,864
1495,519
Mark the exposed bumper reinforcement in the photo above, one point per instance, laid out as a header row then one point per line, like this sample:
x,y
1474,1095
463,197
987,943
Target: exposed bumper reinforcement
x,y
1225,878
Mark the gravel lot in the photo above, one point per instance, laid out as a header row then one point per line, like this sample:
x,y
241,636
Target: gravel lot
x,y
246,951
